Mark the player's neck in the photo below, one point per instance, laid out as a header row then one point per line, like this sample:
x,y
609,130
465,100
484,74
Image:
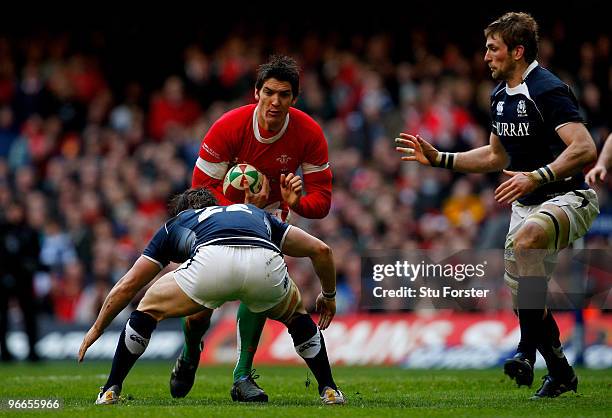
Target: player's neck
x,y
269,128
517,75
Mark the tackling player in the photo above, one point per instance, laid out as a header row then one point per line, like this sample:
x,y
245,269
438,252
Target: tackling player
x,y
538,134
278,140
228,253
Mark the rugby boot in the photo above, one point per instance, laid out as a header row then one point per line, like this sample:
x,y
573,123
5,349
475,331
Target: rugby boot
x,y
555,386
246,390
109,396
331,396
182,377
520,369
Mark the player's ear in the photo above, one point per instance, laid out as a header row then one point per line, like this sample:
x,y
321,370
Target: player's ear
x,y
518,52
256,95
294,101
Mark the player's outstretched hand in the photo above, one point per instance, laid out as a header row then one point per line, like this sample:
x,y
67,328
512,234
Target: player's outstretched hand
x,y
595,174
91,337
259,199
519,185
327,308
291,189
416,149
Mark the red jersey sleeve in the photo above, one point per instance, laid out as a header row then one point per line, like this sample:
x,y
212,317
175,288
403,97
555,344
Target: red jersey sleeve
x,y
214,158
317,178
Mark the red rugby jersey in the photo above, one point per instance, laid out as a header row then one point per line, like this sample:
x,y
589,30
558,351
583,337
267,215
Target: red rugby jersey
x,y
236,138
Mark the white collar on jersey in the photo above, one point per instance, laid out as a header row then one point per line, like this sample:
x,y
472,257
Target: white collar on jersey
x,y
522,88
533,64
271,139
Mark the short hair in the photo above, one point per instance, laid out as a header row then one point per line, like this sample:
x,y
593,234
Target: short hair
x,y
517,28
282,68
191,199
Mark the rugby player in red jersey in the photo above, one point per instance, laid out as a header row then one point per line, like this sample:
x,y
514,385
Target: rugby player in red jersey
x,y
277,139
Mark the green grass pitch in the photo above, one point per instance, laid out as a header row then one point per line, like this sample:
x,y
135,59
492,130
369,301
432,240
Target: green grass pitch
x,y
371,391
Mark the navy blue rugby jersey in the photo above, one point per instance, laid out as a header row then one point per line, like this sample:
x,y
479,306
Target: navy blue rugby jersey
x,y
239,224
526,117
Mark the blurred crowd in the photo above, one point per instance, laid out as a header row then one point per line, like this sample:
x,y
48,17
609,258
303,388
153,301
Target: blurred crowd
x,y
91,162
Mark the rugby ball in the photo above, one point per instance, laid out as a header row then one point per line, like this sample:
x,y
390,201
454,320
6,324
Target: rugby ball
x,y
238,178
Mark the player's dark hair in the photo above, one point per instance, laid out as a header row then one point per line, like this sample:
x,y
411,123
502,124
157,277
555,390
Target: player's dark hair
x,y
517,29
282,68
191,199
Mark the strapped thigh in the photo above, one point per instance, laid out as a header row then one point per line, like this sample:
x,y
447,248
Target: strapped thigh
x,y
287,307
554,228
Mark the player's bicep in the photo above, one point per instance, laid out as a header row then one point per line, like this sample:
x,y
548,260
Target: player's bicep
x,y
298,243
573,131
213,171
576,136
141,274
216,150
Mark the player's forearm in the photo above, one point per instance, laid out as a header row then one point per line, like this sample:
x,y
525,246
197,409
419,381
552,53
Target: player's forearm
x,y
314,205
480,160
317,201
142,272
325,268
116,301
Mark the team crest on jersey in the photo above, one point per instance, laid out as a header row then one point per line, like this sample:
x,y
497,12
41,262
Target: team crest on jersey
x,y
283,159
521,108
500,108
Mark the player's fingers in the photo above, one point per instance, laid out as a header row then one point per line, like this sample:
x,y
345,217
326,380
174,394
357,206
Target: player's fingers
x,y
509,196
407,136
409,151
501,194
82,351
510,173
321,321
324,322
602,175
295,180
408,142
513,196
289,177
282,180
504,186
500,189
409,158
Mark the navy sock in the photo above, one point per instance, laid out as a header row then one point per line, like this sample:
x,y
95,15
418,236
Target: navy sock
x,y
551,349
310,345
531,301
132,343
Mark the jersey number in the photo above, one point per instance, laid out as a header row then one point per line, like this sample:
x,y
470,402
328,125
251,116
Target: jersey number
x,y
239,207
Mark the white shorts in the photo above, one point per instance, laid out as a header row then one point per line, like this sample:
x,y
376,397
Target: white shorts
x,y
581,208
217,274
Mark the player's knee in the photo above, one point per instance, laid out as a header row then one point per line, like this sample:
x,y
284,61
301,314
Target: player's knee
x,y
150,306
530,237
200,318
153,312
530,244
